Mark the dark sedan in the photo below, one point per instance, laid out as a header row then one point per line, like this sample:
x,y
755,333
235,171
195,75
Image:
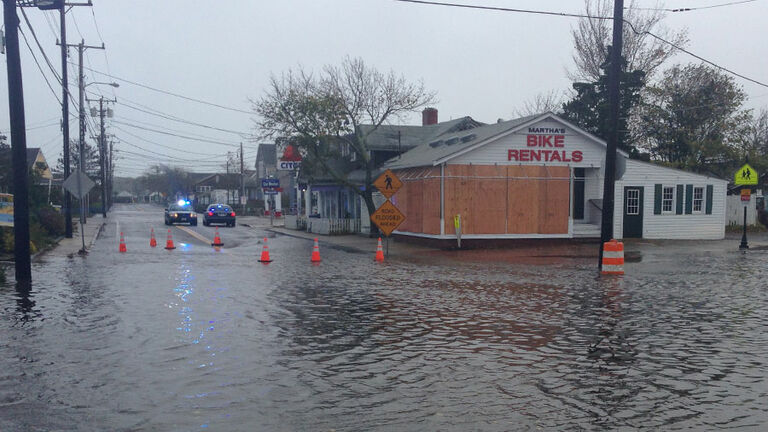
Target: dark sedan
x,y
180,212
219,213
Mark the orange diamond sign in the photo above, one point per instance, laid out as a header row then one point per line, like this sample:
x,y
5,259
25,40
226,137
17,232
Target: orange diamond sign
x,y
387,218
388,184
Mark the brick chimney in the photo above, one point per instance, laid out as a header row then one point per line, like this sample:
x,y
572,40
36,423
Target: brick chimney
x,y
429,116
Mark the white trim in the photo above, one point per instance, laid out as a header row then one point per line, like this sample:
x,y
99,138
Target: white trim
x,y
485,236
549,115
672,208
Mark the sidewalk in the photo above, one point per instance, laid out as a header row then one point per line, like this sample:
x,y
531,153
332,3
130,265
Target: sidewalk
x,y
70,246
349,242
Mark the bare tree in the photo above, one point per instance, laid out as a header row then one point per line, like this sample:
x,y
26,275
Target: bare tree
x,y
592,37
541,103
339,108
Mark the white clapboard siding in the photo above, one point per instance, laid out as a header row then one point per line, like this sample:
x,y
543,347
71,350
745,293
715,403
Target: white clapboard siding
x,y
496,152
697,226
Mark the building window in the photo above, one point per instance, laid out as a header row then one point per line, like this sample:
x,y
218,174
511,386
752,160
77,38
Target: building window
x,y
633,202
667,199
698,199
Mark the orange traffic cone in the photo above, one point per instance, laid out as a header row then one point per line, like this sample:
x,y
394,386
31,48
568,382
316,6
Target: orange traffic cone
x,y
379,252
217,239
169,242
265,253
152,240
315,253
123,248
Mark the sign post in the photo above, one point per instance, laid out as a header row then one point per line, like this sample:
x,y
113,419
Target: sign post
x,y
78,184
387,217
745,176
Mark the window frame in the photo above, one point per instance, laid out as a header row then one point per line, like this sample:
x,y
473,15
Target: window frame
x,y
702,200
637,202
671,199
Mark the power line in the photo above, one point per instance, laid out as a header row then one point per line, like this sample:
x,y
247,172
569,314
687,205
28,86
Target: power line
x,y
40,68
159,145
502,9
200,101
659,38
694,8
154,112
222,143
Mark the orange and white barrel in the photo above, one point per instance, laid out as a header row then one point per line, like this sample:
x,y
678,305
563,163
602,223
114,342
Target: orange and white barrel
x,y
613,258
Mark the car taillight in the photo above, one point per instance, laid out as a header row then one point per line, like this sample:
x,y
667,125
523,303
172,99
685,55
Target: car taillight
x,y
210,213
233,214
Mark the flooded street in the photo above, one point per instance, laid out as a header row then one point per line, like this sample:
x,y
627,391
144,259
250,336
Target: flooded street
x,y
205,339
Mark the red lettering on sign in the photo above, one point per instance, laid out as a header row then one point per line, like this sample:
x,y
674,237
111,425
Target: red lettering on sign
x,y
556,156
577,156
524,155
559,141
546,141
512,155
532,141
535,155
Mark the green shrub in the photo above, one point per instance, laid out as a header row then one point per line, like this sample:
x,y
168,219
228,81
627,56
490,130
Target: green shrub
x,y
51,221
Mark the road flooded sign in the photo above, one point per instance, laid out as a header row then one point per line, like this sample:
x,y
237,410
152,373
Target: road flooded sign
x,y
387,218
388,184
745,176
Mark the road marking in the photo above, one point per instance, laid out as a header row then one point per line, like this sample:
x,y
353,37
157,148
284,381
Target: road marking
x,y
195,235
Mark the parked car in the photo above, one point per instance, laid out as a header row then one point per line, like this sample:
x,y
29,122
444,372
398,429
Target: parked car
x,y
219,213
179,212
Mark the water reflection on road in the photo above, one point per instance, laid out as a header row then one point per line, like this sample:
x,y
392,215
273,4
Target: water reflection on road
x,y
201,340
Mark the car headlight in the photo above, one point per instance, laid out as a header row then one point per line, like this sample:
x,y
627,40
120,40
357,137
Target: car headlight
x,y
192,215
175,215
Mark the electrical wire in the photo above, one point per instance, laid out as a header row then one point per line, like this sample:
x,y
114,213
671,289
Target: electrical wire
x,y
503,9
689,9
200,101
222,143
632,27
40,68
158,144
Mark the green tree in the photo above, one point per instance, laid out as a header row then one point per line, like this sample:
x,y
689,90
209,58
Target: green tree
x,y
323,113
589,108
693,119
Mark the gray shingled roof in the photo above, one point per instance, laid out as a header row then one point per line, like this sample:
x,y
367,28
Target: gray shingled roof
x,y
446,144
385,137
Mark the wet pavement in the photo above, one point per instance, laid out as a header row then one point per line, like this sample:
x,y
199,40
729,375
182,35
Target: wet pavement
x,y
200,338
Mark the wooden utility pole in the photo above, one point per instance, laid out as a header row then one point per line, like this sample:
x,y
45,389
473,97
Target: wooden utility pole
x,y
23,262
614,79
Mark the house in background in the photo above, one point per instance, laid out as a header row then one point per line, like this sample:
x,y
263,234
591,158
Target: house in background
x,y
217,188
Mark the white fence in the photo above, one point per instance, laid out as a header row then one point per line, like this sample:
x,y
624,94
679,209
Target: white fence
x,y
734,210
323,226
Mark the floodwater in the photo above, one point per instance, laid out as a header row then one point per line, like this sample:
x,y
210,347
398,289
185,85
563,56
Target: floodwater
x,y
204,339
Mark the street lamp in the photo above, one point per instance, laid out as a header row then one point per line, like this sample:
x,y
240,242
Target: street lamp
x,y
113,84
48,4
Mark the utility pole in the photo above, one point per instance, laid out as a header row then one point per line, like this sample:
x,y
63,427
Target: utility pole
x,y
242,180
227,181
65,119
23,263
614,78
81,47
111,172
102,153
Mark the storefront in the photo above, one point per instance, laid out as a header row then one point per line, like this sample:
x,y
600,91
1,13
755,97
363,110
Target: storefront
x,y
541,177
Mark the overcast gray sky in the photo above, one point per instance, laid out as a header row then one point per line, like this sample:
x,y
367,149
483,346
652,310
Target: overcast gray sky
x,y
484,64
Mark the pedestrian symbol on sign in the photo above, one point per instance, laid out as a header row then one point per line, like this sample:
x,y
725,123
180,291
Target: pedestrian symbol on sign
x,y
746,175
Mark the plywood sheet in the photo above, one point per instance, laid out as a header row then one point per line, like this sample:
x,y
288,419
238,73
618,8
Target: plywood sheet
x,y
431,202
489,206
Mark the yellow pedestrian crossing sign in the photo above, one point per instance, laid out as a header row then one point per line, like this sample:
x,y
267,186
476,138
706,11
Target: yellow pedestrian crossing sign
x,y
745,176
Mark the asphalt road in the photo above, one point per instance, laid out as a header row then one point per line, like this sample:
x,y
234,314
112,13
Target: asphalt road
x,y
204,338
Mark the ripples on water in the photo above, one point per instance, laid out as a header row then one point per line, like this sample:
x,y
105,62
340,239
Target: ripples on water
x,y
207,341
